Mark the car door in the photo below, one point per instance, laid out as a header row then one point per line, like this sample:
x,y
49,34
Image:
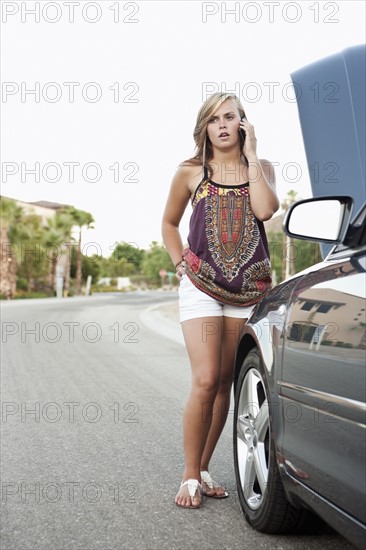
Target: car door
x,y
322,385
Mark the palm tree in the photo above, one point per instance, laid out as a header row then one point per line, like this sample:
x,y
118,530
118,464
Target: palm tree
x,y
56,235
80,218
29,234
11,214
288,265
68,222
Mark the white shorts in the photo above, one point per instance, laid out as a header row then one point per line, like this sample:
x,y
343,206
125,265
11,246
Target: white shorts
x,y
194,303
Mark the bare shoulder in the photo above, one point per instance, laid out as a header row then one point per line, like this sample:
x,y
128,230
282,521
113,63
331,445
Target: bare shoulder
x,y
268,170
180,192
189,175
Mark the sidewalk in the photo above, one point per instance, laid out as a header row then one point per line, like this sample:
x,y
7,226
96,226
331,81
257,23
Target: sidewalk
x,y
171,312
164,319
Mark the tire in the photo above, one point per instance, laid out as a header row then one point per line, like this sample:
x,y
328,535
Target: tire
x,y
261,493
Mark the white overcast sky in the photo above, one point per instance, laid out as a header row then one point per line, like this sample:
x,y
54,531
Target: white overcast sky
x,y
152,64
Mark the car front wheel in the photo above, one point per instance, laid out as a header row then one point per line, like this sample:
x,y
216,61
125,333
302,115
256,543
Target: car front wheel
x,y
259,485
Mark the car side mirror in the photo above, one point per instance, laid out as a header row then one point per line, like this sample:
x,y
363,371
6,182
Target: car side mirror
x,y
320,219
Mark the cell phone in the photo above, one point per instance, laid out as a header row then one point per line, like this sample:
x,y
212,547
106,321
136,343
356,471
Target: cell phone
x,y
242,132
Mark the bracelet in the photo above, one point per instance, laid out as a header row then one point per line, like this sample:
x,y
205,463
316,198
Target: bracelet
x,y
178,264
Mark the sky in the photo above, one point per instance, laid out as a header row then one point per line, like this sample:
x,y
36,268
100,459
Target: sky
x,y
100,99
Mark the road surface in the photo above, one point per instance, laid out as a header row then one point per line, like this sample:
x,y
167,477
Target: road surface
x,y
92,401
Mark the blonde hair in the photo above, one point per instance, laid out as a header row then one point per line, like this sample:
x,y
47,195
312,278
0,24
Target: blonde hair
x,y
203,152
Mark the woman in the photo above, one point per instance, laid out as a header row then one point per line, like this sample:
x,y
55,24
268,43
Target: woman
x,y
224,271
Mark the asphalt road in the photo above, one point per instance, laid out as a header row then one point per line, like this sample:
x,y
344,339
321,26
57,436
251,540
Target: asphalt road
x,y
92,401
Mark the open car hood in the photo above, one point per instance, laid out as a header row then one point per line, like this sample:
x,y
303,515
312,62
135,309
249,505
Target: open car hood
x,y
331,104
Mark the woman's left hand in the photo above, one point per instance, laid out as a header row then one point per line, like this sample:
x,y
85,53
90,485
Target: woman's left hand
x,y
250,143
180,270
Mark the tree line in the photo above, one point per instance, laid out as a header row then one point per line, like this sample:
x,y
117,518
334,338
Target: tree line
x,y
31,249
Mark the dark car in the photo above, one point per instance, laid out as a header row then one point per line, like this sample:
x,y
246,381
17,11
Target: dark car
x,y
299,419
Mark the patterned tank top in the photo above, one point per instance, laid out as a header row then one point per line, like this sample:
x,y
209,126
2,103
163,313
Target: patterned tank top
x,y
228,256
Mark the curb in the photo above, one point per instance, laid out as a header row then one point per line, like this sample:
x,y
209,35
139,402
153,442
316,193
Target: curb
x,y
155,321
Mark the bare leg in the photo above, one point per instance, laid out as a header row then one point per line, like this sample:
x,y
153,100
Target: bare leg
x,y
203,341
230,340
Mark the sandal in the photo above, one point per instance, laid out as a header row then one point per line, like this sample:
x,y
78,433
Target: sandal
x,y
193,486
206,478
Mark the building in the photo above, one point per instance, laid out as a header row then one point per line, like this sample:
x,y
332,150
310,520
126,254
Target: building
x,y
45,210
